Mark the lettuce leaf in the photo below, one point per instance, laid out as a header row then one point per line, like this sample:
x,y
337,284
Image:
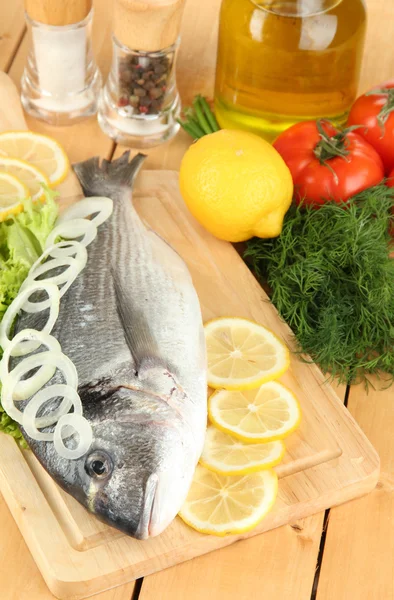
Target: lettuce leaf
x,y
22,240
38,218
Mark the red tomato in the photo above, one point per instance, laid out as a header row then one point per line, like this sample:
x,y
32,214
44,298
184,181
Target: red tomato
x,y
327,164
376,113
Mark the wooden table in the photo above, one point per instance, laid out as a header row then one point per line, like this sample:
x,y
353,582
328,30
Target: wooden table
x,y
345,554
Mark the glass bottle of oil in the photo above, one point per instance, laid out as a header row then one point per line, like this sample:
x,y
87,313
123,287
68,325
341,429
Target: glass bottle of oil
x,y
283,61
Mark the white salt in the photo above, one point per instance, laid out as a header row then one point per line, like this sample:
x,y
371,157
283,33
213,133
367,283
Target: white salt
x,y
61,65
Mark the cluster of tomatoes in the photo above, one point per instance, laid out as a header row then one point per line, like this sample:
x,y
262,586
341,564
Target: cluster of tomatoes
x,y
331,164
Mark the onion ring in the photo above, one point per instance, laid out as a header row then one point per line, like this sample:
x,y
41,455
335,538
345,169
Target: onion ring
x,y
26,387
53,359
20,303
30,421
84,430
71,230
89,206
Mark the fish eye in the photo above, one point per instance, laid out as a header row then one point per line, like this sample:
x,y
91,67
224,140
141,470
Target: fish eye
x,y
98,465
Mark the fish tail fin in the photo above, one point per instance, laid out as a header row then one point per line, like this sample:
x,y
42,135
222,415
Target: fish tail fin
x,y
101,180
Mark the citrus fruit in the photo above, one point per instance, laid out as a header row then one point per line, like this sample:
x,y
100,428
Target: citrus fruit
x,y
221,505
236,185
39,150
226,455
12,193
243,354
269,413
29,175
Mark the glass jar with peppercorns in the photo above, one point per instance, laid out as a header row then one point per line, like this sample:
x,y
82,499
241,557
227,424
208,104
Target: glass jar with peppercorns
x,y
139,105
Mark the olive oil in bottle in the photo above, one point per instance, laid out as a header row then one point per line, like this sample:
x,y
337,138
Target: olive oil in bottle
x,y
283,61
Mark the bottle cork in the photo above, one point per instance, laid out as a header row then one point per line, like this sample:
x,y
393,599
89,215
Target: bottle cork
x,y
147,25
58,12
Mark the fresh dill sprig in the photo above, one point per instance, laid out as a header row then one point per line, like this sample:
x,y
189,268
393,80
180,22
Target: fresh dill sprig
x,y
332,281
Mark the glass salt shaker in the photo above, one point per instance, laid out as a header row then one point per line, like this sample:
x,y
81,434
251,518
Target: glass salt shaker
x,y
61,81
139,104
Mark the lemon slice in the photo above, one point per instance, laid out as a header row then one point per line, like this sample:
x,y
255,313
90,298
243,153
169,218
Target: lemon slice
x,y
269,413
12,192
242,354
222,505
38,150
26,173
226,455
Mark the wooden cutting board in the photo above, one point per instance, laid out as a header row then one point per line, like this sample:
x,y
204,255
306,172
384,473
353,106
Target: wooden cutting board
x,y
328,460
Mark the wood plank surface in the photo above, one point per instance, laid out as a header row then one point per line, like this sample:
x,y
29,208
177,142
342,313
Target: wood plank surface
x,y
279,565
270,575
12,29
378,60
19,576
357,559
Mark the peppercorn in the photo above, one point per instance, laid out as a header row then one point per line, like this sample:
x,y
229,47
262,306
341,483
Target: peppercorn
x,y
143,84
123,101
155,93
134,101
140,92
160,69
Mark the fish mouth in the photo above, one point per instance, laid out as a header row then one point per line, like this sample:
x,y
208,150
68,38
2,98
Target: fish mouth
x,y
143,530
157,513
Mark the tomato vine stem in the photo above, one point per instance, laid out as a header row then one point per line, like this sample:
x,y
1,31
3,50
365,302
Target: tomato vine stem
x,y
387,108
332,146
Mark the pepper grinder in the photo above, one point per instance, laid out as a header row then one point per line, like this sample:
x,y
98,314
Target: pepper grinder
x,y
139,105
61,81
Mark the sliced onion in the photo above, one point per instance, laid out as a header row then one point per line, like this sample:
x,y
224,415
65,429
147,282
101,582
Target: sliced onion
x,y
20,303
31,422
50,359
87,207
26,387
66,277
71,254
71,230
60,250
82,428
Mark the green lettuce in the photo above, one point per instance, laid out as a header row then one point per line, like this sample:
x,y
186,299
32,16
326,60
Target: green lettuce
x,y
22,240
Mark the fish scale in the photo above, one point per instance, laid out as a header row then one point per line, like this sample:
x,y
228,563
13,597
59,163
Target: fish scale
x,y
131,323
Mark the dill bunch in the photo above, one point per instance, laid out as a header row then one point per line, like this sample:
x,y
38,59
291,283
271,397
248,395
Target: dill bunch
x,y
332,281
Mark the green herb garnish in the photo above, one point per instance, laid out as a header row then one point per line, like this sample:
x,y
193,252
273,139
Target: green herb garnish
x,y
332,281
199,119
10,427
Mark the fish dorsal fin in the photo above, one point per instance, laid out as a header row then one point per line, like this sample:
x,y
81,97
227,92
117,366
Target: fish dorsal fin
x,y
138,336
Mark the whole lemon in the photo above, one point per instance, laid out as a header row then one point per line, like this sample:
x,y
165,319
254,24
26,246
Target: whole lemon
x,y
236,185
